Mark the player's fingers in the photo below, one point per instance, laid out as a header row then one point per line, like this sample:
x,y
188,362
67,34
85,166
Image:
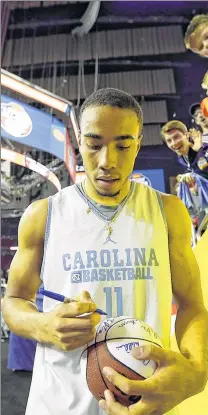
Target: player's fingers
x,y
81,323
85,296
109,396
76,333
76,308
129,387
72,330
110,406
86,336
151,352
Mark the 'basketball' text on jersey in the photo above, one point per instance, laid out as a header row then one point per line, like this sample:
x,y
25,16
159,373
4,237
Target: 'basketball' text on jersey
x,y
96,266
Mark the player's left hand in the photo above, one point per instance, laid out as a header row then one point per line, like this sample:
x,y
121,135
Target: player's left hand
x,y
174,380
197,138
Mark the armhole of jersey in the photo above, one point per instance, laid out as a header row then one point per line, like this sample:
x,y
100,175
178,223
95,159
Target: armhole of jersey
x,y
162,210
47,232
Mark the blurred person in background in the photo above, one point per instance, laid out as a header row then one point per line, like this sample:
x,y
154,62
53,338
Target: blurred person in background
x,y
196,36
204,103
192,153
200,119
187,144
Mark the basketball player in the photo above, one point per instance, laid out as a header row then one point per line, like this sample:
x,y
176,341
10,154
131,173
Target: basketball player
x,y
196,37
114,244
191,152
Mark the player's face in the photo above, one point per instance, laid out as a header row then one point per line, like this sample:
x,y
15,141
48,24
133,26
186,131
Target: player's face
x,y
199,41
177,141
109,144
200,119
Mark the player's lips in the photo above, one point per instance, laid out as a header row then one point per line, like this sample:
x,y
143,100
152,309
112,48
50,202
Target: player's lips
x,y
106,181
107,178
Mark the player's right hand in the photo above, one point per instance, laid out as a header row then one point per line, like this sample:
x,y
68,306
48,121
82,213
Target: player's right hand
x,y
66,328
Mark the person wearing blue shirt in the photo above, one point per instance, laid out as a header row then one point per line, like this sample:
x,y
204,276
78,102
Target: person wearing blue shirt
x,y
188,145
200,120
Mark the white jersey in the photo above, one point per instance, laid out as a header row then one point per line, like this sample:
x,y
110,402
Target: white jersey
x,y
127,274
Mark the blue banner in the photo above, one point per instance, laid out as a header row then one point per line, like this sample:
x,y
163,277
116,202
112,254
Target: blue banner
x,y
153,178
32,127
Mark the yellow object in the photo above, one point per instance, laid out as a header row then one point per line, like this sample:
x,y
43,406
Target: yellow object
x,y
198,404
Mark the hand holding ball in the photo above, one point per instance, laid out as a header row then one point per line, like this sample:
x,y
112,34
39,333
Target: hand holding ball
x,y
114,340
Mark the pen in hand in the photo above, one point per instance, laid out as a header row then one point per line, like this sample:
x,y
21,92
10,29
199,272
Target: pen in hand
x,y
61,298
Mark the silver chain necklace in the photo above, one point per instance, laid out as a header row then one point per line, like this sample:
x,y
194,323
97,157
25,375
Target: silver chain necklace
x,y
95,210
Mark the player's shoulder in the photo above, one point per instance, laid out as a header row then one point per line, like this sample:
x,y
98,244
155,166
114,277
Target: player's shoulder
x,y
36,209
172,204
171,200
176,213
33,221
64,195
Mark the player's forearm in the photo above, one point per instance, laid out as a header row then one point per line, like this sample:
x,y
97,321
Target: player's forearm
x,y
23,318
192,337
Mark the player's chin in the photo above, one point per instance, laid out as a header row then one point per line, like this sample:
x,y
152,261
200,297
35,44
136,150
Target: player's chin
x,y
108,188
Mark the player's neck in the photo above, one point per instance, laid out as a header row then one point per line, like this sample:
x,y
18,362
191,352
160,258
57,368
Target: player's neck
x,y
106,200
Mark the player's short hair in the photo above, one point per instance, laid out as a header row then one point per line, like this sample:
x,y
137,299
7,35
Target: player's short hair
x,y
194,24
114,98
173,125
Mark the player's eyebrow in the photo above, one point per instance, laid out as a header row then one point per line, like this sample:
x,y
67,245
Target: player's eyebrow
x,y
117,138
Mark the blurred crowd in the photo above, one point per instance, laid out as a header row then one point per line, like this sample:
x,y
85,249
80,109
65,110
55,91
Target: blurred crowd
x,y
191,145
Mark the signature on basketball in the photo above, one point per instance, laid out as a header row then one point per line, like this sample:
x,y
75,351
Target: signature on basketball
x,y
144,327
150,330
126,322
105,326
128,346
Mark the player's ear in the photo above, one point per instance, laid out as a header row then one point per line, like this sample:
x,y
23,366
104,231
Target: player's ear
x,y
139,140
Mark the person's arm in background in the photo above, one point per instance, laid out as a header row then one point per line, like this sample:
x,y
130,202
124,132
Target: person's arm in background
x,y
192,318
195,139
59,326
200,148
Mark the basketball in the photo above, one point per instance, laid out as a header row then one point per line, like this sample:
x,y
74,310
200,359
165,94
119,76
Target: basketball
x,y
114,340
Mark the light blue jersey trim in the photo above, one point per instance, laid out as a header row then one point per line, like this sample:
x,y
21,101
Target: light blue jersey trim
x,y
162,209
47,232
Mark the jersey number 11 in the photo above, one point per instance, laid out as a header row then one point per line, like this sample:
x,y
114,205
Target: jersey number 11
x,y
109,300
